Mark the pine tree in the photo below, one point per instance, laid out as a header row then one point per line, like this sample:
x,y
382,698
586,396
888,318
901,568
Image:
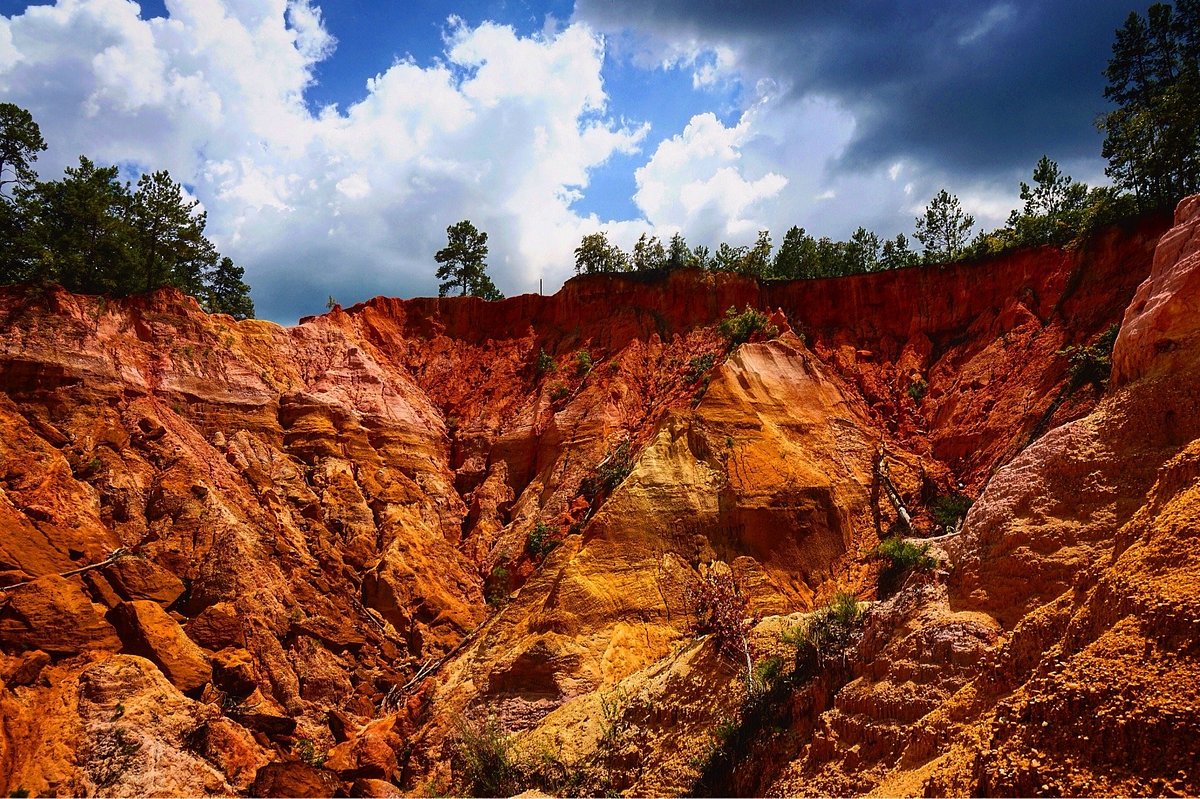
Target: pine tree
x,y
20,142
464,263
227,292
944,229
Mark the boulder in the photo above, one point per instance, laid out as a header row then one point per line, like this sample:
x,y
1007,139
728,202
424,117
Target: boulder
x,y
52,613
147,630
294,779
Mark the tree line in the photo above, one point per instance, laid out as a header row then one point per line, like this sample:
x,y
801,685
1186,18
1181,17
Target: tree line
x,y
92,233
1057,210
1152,144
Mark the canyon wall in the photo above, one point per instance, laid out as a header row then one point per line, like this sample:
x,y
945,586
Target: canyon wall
x,y
246,559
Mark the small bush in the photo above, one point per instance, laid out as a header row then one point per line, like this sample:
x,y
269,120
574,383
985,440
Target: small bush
x,y
496,592
612,709
484,759
583,363
611,472
948,509
544,365
306,750
540,542
903,556
917,389
828,632
766,671
698,367
558,391
738,328
1092,363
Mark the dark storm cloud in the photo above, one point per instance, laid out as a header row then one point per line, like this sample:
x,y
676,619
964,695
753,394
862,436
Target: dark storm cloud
x,y
970,88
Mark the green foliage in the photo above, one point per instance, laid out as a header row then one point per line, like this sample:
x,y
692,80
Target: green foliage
x,y
20,142
540,541
698,367
595,255
766,671
464,263
20,792
917,389
648,253
948,509
496,586
828,632
944,228
1152,137
485,760
559,391
583,363
544,365
94,234
896,254
227,292
308,754
610,472
1091,363
904,556
740,328
612,716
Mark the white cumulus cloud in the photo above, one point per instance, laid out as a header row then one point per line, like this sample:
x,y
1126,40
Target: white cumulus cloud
x,y
503,130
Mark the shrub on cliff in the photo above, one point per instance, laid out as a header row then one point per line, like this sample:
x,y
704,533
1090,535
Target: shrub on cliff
x,y
540,541
829,632
903,555
485,760
738,328
1091,363
610,472
721,609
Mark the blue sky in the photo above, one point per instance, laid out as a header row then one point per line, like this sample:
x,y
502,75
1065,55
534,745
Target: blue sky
x,y
332,144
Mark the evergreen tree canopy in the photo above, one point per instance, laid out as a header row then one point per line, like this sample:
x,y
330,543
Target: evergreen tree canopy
x,y
1152,138
464,263
91,233
20,142
944,229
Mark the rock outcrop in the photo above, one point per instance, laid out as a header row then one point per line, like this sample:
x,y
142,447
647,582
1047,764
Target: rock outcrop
x,y
352,550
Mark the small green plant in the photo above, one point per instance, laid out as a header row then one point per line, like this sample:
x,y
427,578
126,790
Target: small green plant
x,y
725,731
698,367
330,303
612,711
307,752
20,792
540,541
496,592
1092,363
917,389
558,391
738,328
828,632
948,509
766,671
485,760
583,363
904,556
610,473
544,365
118,711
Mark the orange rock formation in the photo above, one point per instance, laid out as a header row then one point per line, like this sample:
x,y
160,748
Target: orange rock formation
x,y
245,559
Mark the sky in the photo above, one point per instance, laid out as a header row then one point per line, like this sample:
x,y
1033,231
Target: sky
x,y
331,144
